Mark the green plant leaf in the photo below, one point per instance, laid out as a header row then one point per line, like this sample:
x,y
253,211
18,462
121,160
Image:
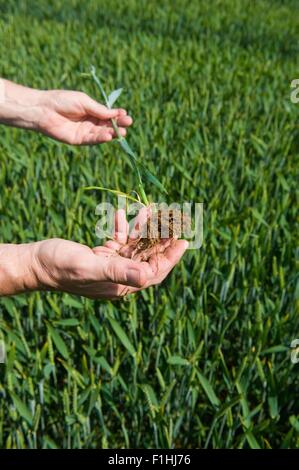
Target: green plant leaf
x,y
58,341
21,408
142,168
294,422
273,406
68,322
151,399
208,389
103,362
275,349
113,191
178,361
252,441
152,179
71,302
122,336
114,95
227,406
126,147
98,82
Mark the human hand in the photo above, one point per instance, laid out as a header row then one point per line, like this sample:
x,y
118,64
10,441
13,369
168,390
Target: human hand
x,y
158,260
74,118
71,117
101,272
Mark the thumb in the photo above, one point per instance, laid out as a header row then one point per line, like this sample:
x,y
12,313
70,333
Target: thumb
x,y
125,271
98,110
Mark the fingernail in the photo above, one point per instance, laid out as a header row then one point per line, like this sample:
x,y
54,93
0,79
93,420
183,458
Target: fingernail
x,y
186,244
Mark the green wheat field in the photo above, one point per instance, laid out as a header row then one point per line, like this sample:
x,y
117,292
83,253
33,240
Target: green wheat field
x,y
203,360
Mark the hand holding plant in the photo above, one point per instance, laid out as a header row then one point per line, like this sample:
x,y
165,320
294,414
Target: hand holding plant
x,y
75,118
98,273
71,117
155,222
120,266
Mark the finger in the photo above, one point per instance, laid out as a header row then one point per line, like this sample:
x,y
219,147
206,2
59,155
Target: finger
x,y
125,271
122,121
107,137
128,250
105,134
139,222
122,131
95,135
102,250
100,134
151,251
98,110
175,251
163,263
121,226
110,244
125,290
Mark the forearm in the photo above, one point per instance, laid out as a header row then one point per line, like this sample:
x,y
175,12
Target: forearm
x,y
19,105
17,268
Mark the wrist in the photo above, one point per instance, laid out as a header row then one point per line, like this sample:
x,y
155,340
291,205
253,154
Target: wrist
x,y
43,266
20,106
20,94
17,268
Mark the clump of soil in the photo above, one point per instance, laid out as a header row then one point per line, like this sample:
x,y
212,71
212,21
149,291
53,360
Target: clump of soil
x,y
156,233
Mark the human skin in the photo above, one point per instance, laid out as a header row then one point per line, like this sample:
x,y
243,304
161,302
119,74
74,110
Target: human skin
x,y
71,117
61,265
98,273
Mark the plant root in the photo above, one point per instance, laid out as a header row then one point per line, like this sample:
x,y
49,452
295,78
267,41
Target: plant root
x,y
156,234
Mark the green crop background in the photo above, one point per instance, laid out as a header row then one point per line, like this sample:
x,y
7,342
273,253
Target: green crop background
x,y
204,359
